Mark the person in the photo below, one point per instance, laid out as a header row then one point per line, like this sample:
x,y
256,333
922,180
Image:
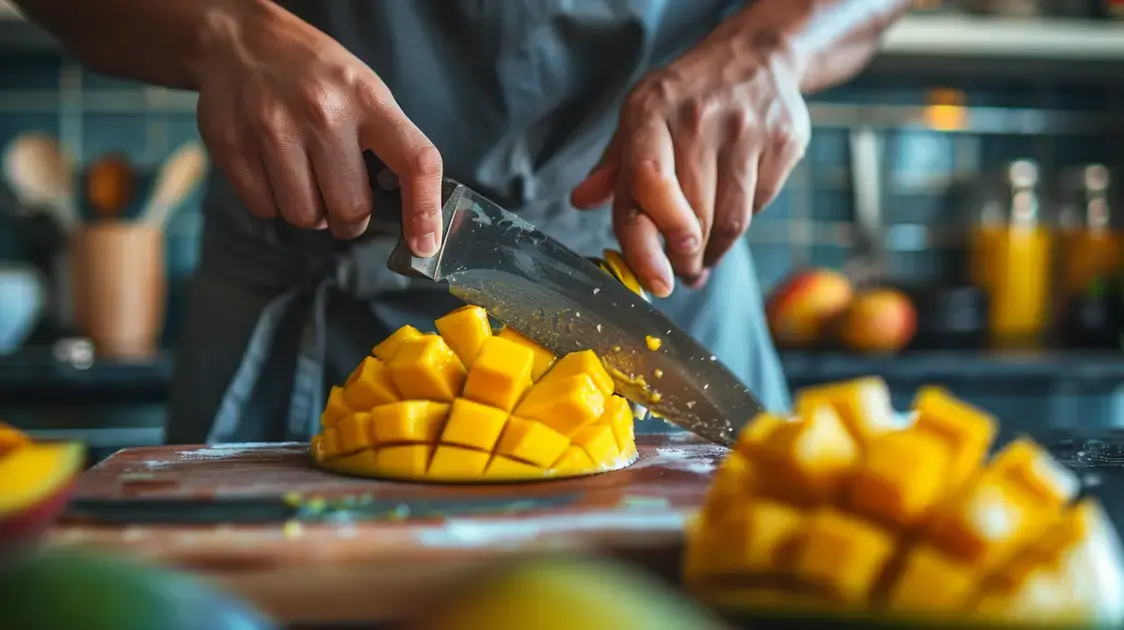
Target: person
x,y
683,117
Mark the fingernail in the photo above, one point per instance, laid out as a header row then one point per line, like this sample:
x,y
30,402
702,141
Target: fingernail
x,y
426,245
659,288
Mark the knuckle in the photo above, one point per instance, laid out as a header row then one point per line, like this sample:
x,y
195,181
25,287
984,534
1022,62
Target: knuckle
x,y
427,161
741,124
696,113
322,106
728,229
352,209
303,219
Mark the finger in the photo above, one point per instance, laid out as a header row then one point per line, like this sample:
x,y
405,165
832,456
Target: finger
x,y
290,172
597,189
772,172
640,243
696,166
737,182
246,175
653,184
341,175
387,132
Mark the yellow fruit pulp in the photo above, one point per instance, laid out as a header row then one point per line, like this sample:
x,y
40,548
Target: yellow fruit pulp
x,y
32,472
469,405
844,509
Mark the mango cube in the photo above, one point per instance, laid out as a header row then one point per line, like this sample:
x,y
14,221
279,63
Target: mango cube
x,y
931,582
452,463
335,409
618,415
329,444
427,369
567,405
507,469
967,430
386,350
501,374
369,386
812,459
474,425
901,478
863,405
355,432
544,358
584,362
409,422
532,442
573,458
844,554
405,462
465,330
598,442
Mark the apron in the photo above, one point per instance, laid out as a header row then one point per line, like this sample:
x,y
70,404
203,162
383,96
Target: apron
x,y
520,97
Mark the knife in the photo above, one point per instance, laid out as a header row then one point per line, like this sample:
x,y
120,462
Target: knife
x,y
494,259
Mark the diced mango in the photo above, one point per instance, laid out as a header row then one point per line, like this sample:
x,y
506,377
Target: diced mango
x,y
544,358
901,478
386,349
404,462
863,404
330,444
474,425
409,422
757,433
733,485
618,415
316,448
369,386
598,442
1035,470
452,463
967,430
465,330
931,582
335,409
574,458
810,459
501,374
567,405
355,432
532,442
584,362
427,369
507,469
361,463
844,554
752,539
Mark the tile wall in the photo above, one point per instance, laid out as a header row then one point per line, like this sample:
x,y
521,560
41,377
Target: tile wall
x,y
809,223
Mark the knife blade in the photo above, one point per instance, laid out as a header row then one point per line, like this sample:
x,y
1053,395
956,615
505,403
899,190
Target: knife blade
x,y
494,259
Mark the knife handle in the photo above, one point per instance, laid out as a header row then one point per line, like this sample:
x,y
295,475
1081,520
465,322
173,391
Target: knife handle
x,y
386,197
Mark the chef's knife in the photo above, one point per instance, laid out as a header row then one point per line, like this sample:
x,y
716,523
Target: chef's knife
x,y
494,259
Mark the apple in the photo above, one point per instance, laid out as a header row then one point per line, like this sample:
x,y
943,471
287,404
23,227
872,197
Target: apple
x,y
878,320
801,308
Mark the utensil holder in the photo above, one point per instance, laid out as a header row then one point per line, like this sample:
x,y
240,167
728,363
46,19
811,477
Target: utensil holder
x,y
120,285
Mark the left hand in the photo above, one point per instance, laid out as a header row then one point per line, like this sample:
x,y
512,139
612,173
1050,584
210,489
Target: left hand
x,y
701,147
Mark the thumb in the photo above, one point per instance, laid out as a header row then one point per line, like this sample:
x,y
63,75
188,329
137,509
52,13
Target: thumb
x,y
597,189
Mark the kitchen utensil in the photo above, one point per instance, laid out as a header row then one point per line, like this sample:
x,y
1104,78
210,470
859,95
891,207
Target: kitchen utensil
x,y
179,177
867,264
122,287
42,177
110,185
566,303
23,295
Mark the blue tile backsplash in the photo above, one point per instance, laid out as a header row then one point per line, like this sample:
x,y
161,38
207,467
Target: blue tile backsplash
x,y
918,164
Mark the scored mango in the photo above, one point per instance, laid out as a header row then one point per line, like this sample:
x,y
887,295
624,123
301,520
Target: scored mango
x,y
843,507
469,404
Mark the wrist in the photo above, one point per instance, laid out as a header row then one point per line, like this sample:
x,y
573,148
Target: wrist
x,y
222,30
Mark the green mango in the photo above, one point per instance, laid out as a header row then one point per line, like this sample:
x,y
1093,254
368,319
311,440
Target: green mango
x,y
79,591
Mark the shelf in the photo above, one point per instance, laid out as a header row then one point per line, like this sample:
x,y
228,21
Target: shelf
x,y
1008,38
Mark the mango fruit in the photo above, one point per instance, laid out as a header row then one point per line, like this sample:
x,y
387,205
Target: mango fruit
x,y
468,404
570,594
802,308
34,481
840,511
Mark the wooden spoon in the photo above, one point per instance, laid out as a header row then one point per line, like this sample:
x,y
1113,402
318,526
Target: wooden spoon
x,y
42,176
179,177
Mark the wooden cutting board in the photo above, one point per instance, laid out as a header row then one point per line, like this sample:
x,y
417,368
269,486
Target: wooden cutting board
x,y
356,550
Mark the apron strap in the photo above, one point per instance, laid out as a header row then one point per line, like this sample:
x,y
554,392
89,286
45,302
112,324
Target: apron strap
x,y
307,398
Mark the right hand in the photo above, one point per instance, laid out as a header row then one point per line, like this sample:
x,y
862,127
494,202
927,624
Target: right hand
x,y
287,112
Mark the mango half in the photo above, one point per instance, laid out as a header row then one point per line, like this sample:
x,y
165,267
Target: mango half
x,y
34,481
468,404
841,508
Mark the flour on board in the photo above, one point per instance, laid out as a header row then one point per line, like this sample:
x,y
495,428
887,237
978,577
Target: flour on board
x,y
234,449
700,460
461,533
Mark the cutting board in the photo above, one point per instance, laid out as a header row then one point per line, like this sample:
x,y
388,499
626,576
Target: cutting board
x,y
310,547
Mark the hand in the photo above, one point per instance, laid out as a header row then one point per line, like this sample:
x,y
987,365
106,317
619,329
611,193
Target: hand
x,y
286,113
701,147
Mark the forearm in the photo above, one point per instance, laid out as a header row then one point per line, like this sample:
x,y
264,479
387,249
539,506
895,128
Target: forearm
x,y
163,42
828,41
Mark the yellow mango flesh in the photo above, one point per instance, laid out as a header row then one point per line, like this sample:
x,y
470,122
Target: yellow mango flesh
x,y
467,405
841,508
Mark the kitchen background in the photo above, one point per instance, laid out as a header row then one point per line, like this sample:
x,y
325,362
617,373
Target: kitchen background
x,y
1004,126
